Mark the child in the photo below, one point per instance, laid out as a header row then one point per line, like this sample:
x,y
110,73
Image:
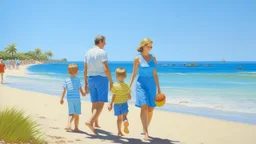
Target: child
x,y
73,87
121,94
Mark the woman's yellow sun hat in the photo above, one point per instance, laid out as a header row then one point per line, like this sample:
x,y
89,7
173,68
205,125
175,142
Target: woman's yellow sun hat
x,y
144,42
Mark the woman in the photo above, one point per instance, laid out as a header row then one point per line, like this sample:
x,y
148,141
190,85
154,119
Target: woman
x,y
2,68
147,83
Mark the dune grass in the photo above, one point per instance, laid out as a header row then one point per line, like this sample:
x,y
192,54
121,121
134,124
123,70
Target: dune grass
x,y
16,127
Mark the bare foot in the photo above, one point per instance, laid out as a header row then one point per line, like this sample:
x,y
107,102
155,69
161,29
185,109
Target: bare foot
x,y
68,129
146,138
126,124
91,128
97,126
76,130
120,134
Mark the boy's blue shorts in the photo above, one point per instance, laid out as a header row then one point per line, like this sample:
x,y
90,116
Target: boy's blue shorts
x,y
120,109
74,106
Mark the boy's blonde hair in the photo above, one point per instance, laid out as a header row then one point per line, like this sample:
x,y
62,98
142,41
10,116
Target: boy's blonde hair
x,y
121,72
72,68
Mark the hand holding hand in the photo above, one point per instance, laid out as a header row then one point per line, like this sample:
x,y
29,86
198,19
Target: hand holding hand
x,y
86,88
84,94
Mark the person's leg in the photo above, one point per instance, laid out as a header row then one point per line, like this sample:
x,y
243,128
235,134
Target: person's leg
x,y
70,120
126,123
76,122
2,77
99,110
102,91
119,125
92,119
94,100
96,124
125,120
151,92
125,117
150,114
144,120
77,113
71,112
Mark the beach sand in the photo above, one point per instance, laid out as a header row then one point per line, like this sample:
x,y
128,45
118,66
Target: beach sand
x,y
165,128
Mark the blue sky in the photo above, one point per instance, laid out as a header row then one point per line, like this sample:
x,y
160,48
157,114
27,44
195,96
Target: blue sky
x,y
181,29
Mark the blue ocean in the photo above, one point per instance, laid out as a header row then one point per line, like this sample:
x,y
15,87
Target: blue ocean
x,y
222,90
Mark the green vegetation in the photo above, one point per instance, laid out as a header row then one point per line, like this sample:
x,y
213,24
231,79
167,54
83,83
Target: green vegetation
x,y
15,127
10,52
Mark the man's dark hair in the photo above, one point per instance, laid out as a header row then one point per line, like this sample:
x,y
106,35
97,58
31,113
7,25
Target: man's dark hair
x,y
98,39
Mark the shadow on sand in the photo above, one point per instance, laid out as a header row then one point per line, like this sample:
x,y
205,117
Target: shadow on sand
x,y
78,132
123,140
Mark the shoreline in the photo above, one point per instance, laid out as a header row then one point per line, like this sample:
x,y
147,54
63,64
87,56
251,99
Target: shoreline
x,y
231,116
166,127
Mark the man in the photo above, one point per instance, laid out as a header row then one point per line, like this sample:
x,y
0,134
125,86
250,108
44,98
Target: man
x,y
96,77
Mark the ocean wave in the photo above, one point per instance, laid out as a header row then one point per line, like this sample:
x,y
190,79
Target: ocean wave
x,y
237,83
229,107
35,77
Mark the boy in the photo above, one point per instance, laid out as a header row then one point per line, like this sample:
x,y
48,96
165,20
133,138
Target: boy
x,y
73,87
121,94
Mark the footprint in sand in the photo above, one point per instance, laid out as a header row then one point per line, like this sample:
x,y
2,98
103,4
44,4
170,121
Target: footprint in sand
x,y
54,128
56,137
42,117
78,140
60,142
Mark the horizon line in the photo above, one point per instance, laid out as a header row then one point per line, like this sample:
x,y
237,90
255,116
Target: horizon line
x,y
181,61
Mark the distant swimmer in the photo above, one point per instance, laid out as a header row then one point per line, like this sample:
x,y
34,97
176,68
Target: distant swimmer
x,y
240,68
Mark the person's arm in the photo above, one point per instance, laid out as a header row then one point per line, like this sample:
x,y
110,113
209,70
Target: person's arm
x,y
129,96
107,72
128,91
111,103
104,60
156,77
135,70
85,78
63,95
82,91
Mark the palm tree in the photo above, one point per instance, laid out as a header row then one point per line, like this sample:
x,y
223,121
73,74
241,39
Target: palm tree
x,y
48,54
43,57
37,53
11,49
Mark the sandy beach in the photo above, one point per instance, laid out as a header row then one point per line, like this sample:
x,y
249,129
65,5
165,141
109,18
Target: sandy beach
x,y
166,127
